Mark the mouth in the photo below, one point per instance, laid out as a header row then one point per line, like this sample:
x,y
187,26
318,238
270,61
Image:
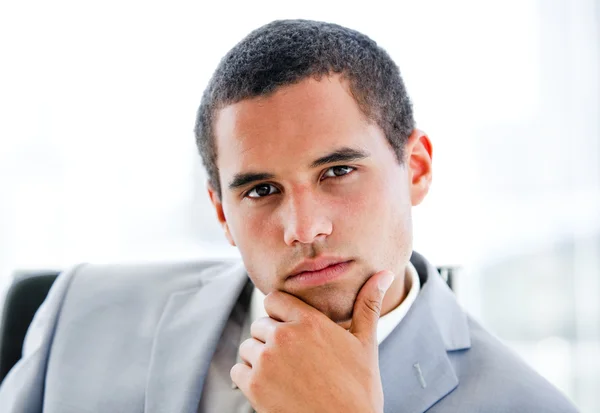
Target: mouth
x,y
324,275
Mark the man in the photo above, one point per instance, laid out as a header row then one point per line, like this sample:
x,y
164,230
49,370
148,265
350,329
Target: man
x,y
314,164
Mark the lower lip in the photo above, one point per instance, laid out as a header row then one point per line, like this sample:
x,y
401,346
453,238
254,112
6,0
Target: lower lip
x,y
324,276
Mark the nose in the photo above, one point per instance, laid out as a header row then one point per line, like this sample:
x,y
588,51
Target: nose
x,y
304,219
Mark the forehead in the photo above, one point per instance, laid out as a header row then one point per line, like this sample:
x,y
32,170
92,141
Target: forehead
x,y
293,126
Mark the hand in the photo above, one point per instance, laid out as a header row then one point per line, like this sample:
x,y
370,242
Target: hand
x,y
298,360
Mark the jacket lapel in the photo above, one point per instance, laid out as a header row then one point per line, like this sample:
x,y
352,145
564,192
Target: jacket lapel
x,y
415,369
186,338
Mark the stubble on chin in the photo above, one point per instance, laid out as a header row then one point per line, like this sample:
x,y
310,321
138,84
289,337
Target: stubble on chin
x,y
335,303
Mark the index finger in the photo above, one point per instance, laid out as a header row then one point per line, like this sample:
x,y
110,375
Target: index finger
x,y
285,307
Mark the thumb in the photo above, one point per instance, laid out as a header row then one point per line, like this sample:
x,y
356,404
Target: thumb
x,y
367,307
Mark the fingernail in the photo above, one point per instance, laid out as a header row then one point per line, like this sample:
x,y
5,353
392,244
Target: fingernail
x,y
385,281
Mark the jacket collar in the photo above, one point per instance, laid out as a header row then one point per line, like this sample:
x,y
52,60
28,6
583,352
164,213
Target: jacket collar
x,y
186,338
415,369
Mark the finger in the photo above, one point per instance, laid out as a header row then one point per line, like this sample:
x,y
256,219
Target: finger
x,y
240,375
250,350
286,308
367,307
263,329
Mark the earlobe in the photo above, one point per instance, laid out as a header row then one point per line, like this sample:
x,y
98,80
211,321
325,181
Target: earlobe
x,y
419,159
218,205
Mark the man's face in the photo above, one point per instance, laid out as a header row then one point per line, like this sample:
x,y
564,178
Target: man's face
x,y
306,179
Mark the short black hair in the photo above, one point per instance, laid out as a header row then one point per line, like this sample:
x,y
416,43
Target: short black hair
x,y
285,52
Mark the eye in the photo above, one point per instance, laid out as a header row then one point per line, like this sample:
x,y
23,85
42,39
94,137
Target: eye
x,y
262,190
337,171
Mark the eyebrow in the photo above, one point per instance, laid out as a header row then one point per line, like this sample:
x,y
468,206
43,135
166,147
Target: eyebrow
x,y
340,155
240,180
345,154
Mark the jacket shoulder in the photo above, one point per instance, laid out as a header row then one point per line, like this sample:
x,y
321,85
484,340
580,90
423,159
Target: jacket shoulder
x,y
160,277
134,294
492,375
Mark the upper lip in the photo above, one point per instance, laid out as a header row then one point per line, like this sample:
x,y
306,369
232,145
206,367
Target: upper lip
x,y
316,264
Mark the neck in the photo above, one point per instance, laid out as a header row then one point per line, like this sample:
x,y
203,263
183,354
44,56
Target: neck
x,y
396,294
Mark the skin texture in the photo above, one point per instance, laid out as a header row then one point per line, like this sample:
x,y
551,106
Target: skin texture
x,y
358,210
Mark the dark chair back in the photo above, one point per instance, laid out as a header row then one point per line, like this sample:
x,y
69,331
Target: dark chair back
x,y
24,297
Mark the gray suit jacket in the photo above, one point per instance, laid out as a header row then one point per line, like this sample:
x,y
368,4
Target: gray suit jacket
x,y
140,339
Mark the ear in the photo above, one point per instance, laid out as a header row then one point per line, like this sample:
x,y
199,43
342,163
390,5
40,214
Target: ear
x,y
418,157
218,205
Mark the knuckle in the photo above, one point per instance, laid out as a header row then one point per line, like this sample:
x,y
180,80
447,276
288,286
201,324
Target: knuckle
x,y
245,345
374,306
258,325
282,334
272,298
265,357
308,320
254,385
234,371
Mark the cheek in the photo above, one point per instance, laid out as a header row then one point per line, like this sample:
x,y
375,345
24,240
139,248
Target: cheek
x,y
251,228
372,204
254,239
256,236
376,216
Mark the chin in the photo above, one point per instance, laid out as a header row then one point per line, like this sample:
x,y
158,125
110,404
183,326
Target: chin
x,y
335,304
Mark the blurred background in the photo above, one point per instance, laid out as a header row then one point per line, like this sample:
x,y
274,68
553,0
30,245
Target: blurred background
x,y
98,161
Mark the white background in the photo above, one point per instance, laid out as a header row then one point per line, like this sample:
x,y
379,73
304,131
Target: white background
x,y
98,162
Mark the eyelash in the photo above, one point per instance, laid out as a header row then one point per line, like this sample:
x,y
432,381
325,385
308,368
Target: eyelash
x,y
350,169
